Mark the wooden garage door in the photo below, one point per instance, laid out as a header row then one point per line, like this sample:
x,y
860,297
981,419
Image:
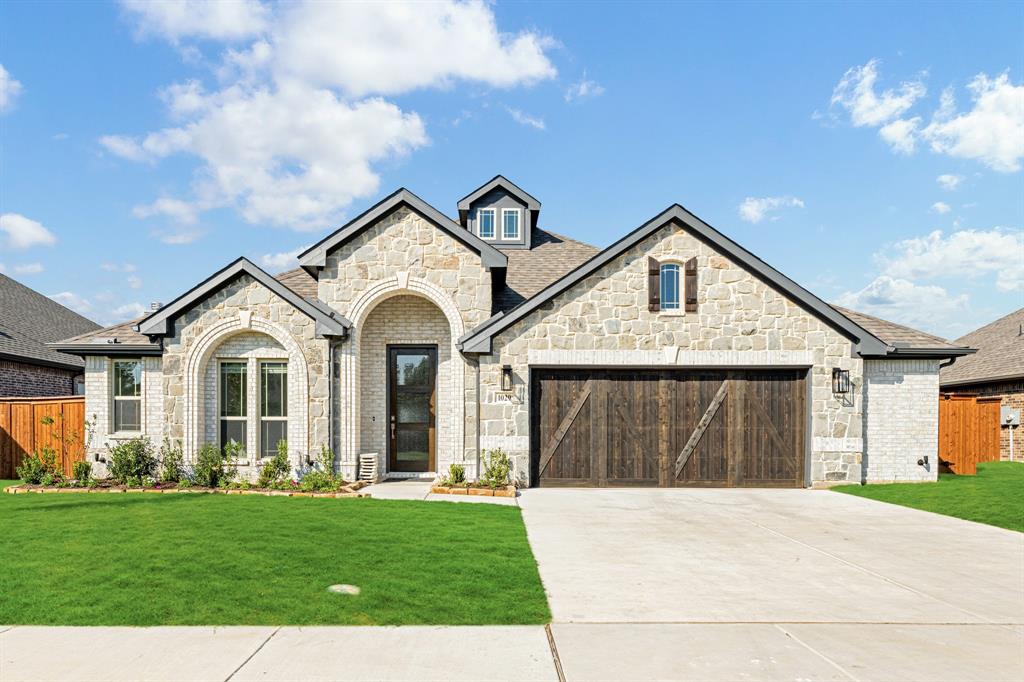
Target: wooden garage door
x,y
668,428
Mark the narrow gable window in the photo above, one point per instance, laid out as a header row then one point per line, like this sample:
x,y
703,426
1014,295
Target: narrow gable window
x,y
510,223
670,286
127,396
485,223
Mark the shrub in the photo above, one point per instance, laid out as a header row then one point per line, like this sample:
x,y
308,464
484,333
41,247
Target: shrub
x,y
132,461
276,469
172,462
81,472
323,480
213,466
39,468
497,468
456,475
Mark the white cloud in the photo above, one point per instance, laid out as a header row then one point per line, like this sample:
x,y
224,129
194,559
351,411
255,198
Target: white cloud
x,y
992,132
176,19
59,137
754,209
283,260
965,253
949,182
126,312
292,134
901,134
134,282
394,47
69,299
177,237
855,92
525,119
180,212
899,300
28,269
941,207
9,89
118,267
583,89
24,233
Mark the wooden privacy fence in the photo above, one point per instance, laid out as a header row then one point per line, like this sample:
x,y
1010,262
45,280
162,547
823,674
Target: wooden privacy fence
x,y
968,432
30,424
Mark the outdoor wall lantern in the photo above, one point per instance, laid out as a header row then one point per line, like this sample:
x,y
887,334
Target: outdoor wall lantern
x,y
840,381
506,378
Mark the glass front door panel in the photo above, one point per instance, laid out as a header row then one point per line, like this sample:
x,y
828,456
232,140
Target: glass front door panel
x,y
412,378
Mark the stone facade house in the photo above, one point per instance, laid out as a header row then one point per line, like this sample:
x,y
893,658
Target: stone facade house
x,y
995,371
672,357
28,322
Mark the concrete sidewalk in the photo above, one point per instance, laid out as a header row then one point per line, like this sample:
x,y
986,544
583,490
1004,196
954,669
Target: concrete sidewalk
x,y
585,652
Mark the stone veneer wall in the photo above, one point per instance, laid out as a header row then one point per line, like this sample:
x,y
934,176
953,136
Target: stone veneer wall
x,y
901,408
97,405
740,321
402,253
244,306
406,320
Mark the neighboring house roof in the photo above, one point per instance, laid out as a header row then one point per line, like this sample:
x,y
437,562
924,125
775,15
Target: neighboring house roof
x,y
497,181
530,270
905,340
29,321
316,255
1000,355
867,344
328,322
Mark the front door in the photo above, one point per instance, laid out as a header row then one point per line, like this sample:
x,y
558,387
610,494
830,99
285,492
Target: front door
x,y
412,394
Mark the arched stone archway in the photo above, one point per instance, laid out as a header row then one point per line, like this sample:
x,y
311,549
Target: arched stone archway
x,y
203,350
350,413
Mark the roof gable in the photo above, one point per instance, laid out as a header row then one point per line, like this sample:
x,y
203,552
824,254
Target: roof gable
x,y
316,255
498,182
479,339
328,323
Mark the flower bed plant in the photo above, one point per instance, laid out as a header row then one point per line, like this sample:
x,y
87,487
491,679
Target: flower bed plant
x,y
136,467
495,481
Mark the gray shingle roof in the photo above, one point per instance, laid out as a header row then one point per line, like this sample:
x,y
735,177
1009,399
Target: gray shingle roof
x,y
896,334
529,271
1000,353
29,321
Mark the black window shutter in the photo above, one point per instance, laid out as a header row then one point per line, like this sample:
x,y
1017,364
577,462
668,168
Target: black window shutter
x,y
653,285
690,274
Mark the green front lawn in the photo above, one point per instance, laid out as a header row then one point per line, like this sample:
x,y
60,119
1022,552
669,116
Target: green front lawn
x,y
995,496
149,559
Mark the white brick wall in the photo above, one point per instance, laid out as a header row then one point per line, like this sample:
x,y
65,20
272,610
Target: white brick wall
x,y
901,408
405,320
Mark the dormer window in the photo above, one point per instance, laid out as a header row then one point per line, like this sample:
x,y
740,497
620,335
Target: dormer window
x,y
510,223
485,220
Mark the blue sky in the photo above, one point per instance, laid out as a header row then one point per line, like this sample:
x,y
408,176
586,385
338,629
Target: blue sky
x,y
872,152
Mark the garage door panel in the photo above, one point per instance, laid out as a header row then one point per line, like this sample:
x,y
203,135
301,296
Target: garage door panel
x,y
635,424
631,424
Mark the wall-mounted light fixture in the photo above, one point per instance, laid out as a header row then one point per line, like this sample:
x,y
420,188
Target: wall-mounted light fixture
x,y
506,378
840,381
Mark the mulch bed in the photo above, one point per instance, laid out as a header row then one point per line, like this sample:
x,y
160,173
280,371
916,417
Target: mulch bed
x,y
347,490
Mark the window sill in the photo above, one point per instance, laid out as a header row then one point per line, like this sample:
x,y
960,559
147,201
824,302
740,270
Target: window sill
x,y
679,312
125,435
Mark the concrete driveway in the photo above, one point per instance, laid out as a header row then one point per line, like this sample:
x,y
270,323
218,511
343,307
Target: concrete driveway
x,y
774,584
